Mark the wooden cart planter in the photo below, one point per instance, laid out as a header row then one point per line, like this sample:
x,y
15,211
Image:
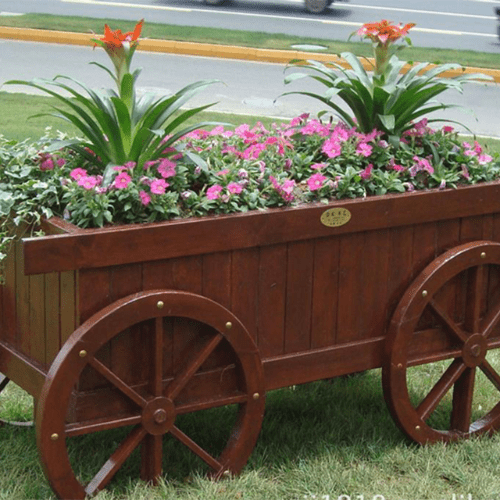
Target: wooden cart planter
x,y
134,325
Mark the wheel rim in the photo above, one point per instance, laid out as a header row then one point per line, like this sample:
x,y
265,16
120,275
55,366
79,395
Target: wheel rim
x,y
316,6
157,406
442,362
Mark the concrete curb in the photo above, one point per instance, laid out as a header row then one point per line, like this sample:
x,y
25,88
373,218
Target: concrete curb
x,y
208,50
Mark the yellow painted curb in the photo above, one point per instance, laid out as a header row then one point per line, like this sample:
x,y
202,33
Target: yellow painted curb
x,y
209,50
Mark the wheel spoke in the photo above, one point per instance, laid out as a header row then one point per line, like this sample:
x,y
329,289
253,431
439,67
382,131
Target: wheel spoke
x,y
151,458
103,424
115,461
176,386
444,317
156,378
491,373
449,377
196,449
463,392
117,382
490,321
475,289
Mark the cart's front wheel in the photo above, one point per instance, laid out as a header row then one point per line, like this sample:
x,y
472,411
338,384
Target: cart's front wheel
x,y
442,372
216,365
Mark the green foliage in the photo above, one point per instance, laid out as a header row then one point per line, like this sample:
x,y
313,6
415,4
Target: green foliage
x,y
390,102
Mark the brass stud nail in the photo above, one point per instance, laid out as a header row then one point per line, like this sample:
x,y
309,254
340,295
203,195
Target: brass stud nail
x,y
483,255
226,473
82,353
229,325
256,396
54,437
424,293
400,365
417,428
160,304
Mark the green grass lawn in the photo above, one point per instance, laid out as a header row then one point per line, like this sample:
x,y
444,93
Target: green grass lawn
x,y
244,38
326,438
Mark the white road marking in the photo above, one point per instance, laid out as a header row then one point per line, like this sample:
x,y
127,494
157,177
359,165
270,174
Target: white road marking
x,y
271,16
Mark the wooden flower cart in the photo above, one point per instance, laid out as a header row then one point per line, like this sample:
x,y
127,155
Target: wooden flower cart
x,y
137,325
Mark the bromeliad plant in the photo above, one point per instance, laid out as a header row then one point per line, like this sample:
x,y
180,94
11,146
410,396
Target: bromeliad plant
x,y
386,99
118,127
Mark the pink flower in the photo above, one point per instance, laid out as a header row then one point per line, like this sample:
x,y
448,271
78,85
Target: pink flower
x,y
166,168
364,149
122,180
47,164
149,164
87,182
315,182
484,159
367,172
78,173
145,198
213,192
61,162
234,188
223,172
331,148
288,187
158,186
318,166
447,129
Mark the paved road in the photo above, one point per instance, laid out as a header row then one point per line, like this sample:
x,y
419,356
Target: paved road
x,y
249,87
465,24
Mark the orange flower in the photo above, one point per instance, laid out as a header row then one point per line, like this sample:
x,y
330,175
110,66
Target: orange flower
x,y
116,38
384,31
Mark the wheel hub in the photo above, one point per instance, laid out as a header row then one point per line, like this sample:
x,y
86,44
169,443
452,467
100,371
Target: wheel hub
x,y
474,350
159,416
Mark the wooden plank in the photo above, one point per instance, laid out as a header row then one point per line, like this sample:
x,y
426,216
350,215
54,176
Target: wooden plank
x,y
24,372
52,316
138,243
22,304
351,288
373,306
158,275
300,368
37,318
300,265
400,271
69,307
8,331
325,292
245,289
216,277
471,229
271,296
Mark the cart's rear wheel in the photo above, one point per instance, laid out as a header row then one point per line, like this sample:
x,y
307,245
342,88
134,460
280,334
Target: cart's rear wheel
x,y
154,405
442,372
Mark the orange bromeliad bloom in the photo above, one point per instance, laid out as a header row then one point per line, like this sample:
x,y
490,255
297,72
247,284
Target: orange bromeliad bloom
x,y
116,38
383,31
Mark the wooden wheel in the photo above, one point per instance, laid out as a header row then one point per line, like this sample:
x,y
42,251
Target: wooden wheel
x,y
442,374
152,407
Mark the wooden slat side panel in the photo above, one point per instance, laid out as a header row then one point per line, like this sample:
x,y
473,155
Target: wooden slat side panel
x,y
216,280
351,288
300,265
325,293
373,305
37,318
69,304
272,294
245,289
8,331
400,271
52,316
22,304
127,349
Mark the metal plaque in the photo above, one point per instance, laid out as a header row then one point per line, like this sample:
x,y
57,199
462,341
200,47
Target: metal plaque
x,y
335,217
